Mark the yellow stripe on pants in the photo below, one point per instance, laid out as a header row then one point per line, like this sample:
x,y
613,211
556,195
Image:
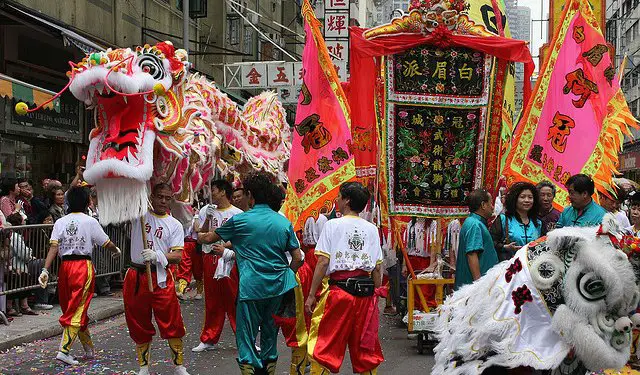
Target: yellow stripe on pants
x,y
76,320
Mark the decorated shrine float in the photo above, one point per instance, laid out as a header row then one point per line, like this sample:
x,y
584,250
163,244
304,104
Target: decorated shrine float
x,y
438,82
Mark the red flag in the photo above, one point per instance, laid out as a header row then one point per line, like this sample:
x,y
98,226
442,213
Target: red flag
x,y
320,157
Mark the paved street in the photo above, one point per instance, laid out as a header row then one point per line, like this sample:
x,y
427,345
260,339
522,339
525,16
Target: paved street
x,y
116,353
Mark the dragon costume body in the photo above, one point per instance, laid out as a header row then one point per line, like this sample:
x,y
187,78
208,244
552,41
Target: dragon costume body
x,y
157,122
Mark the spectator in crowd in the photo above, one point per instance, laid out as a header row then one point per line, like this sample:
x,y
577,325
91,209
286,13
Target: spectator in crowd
x,y
519,225
583,211
47,184
21,255
56,197
240,199
612,201
3,220
32,207
476,253
548,214
634,213
9,201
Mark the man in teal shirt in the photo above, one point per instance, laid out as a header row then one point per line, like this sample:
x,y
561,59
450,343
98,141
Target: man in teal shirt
x,y
476,253
260,239
583,212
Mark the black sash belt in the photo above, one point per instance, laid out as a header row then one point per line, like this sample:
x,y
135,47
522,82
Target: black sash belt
x,y
141,269
76,257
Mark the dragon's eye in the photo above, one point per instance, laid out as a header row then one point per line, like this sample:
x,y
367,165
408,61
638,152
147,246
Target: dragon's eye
x,y
152,65
591,286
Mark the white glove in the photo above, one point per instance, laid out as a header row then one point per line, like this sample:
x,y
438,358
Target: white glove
x,y
228,254
211,209
44,278
149,255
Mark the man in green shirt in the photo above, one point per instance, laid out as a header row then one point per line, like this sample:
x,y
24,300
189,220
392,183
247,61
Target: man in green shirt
x,y
260,239
583,212
476,253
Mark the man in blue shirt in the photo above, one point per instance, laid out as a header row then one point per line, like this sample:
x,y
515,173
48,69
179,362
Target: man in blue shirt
x,y
583,212
476,253
260,239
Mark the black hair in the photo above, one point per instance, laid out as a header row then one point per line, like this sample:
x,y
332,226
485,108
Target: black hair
x,y
161,186
15,219
223,185
512,200
476,198
8,184
277,196
357,194
544,184
78,199
581,183
260,186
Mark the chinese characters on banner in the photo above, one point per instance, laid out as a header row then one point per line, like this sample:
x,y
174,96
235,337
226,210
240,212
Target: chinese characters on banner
x,y
577,116
436,127
336,32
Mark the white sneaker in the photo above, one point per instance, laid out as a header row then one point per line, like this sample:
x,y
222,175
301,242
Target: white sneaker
x,y
180,370
144,370
198,297
203,347
66,358
42,306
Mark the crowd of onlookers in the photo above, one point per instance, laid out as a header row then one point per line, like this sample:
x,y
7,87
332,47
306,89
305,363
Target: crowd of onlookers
x,y
22,252
524,212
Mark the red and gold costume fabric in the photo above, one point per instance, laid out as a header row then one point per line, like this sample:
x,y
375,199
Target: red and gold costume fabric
x,y
76,282
220,300
140,304
339,321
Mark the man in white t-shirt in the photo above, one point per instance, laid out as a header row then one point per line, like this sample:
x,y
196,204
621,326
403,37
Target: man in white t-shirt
x,y
220,276
160,244
349,253
73,239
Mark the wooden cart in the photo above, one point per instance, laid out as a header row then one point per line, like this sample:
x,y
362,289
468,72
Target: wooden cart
x,y
411,302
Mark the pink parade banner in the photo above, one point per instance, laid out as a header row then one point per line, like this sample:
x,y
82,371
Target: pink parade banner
x,y
576,104
320,157
577,117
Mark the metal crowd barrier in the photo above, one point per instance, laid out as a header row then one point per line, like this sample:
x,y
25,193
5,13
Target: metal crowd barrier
x,y
23,250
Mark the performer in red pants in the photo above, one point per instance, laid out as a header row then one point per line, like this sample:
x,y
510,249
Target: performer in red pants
x,y
191,263
161,243
73,238
349,253
220,274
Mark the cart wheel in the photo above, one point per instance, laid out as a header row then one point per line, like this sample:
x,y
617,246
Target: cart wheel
x,y
420,343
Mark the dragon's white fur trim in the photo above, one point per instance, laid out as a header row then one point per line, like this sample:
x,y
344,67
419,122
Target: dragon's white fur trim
x,y
121,199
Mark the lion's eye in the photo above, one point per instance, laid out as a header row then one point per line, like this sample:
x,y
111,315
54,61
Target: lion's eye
x,y
591,286
151,64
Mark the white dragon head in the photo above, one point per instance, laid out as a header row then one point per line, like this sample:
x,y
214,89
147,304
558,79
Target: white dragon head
x,y
570,292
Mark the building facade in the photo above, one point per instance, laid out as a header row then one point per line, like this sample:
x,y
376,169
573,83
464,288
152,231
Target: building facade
x,y
39,37
622,31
